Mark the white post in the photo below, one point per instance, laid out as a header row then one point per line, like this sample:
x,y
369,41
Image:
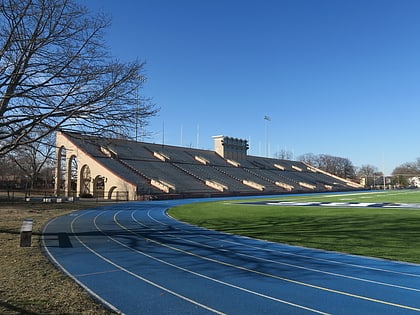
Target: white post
x,y
267,119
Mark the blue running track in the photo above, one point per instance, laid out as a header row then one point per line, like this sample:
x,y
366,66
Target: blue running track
x,y
137,260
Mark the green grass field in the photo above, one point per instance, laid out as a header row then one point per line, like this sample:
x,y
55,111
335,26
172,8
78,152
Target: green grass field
x,y
378,232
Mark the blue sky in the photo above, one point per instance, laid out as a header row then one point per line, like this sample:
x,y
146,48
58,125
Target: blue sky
x,y
336,77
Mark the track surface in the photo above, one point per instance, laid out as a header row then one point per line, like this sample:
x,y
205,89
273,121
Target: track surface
x,y
137,260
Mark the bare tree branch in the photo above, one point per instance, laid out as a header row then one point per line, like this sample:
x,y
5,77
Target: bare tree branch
x,y
339,166
56,72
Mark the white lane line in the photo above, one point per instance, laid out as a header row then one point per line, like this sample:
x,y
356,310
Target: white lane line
x,y
134,274
292,265
164,212
199,274
283,263
86,288
361,297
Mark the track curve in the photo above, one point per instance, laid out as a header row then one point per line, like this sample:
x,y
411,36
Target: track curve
x,y
138,260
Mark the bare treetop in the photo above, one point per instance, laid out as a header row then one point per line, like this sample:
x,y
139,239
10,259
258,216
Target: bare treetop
x,y
56,72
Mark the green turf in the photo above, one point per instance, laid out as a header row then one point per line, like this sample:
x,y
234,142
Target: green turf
x,y
377,232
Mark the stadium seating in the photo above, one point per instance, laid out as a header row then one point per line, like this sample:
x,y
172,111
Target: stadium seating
x,y
161,170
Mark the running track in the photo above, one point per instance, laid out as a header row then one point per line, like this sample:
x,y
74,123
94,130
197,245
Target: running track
x,y
137,260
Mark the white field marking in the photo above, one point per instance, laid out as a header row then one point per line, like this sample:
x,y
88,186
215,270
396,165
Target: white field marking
x,y
302,256
292,203
354,194
366,194
406,206
136,275
346,204
280,263
55,261
314,196
361,297
196,273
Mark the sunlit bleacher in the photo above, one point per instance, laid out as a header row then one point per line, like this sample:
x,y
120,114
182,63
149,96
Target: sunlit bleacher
x,y
163,170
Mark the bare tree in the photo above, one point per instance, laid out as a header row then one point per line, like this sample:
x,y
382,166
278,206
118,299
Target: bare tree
x,y
309,158
9,172
34,158
404,173
339,166
408,169
284,154
369,173
56,72
367,170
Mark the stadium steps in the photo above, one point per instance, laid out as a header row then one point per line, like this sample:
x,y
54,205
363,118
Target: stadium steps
x,y
179,167
209,172
239,176
271,184
183,182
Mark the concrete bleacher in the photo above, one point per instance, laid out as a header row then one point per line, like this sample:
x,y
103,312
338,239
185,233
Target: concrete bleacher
x,y
178,171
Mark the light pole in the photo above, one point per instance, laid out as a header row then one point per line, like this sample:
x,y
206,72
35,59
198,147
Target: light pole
x,y
267,119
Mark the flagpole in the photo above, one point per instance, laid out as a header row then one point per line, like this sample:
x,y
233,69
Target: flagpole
x,y
267,119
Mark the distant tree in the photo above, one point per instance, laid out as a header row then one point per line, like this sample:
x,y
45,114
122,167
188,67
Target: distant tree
x,y
339,166
408,169
347,168
56,72
404,172
9,171
35,160
284,154
368,172
309,158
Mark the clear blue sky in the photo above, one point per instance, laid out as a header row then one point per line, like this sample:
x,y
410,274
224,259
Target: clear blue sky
x,y
336,77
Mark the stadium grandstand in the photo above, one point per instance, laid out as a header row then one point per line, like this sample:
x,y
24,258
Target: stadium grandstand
x,y
119,169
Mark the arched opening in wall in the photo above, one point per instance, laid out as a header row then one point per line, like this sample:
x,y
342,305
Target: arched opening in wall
x,y
119,195
61,171
85,180
99,187
112,192
72,176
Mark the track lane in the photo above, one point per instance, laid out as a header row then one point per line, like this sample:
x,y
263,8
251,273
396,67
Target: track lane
x,y
405,280
367,294
111,253
192,264
121,234
135,283
260,272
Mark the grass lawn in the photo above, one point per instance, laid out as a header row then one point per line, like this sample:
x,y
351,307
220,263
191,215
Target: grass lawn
x,y
32,285
29,283
378,232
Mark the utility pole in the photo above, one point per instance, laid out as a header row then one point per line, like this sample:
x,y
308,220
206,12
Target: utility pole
x,y
267,120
